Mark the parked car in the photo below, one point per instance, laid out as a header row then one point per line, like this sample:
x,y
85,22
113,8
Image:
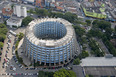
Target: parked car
x,y
6,51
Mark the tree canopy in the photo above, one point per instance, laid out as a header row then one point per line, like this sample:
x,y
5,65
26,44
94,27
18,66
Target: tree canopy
x,y
88,22
76,61
1,44
64,73
45,74
26,20
3,31
20,36
41,12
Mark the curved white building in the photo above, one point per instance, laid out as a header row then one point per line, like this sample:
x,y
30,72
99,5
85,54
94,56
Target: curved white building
x,y
50,41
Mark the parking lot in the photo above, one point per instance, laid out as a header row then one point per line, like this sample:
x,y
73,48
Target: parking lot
x,y
9,64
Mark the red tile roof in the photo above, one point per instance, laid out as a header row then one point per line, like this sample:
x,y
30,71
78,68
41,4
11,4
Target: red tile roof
x,y
7,11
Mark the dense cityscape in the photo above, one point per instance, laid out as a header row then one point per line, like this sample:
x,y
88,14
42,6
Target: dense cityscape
x,y
57,38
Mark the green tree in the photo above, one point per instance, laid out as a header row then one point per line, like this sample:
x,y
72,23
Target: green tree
x,y
88,76
104,24
70,17
79,31
95,33
31,10
26,20
64,73
20,36
2,25
3,29
12,6
88,22
76,61
45,74
41,12
0,53
1,44
84,54
2,37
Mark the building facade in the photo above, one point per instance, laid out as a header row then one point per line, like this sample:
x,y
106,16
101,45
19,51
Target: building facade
x,y
50,41
20,11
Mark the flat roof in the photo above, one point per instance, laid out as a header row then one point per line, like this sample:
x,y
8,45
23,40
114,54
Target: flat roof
x,y
98,61
100,71
14,20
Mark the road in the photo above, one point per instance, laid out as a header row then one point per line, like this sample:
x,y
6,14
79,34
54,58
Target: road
x,y
103,47
9,54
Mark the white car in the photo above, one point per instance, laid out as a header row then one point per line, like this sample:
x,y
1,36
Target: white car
x,y
14,69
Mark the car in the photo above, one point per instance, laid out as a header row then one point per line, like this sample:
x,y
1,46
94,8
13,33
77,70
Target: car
x,y
14,56
31,68
3,63
8,58
3,66
5,60
31,14
7,63
6,55
9,74
37,73
6,51
0,58
9,41
21,66
26,68
16,61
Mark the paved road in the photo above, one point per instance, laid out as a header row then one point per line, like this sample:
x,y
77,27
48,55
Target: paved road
x,y
102,46
9,54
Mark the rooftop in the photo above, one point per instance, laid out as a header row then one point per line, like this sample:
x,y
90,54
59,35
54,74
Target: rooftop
x,y
37,41
98,61
14,20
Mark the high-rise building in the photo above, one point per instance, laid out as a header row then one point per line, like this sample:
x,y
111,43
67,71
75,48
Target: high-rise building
x,y
24,11
50,41
20,11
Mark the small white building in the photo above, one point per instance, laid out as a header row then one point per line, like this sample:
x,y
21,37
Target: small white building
x,y
16,22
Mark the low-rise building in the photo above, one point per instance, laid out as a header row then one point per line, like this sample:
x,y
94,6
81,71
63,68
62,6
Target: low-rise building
x,y
7,12
14,22
113,13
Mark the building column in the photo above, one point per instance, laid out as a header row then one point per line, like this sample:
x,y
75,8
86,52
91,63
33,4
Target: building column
x,y
50,59
63,56
36,55
59,57
45,57
32,55
40,55
70,50
54,57
29,51
67,53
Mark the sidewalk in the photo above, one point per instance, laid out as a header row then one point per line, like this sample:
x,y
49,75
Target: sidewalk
x,y
22,54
